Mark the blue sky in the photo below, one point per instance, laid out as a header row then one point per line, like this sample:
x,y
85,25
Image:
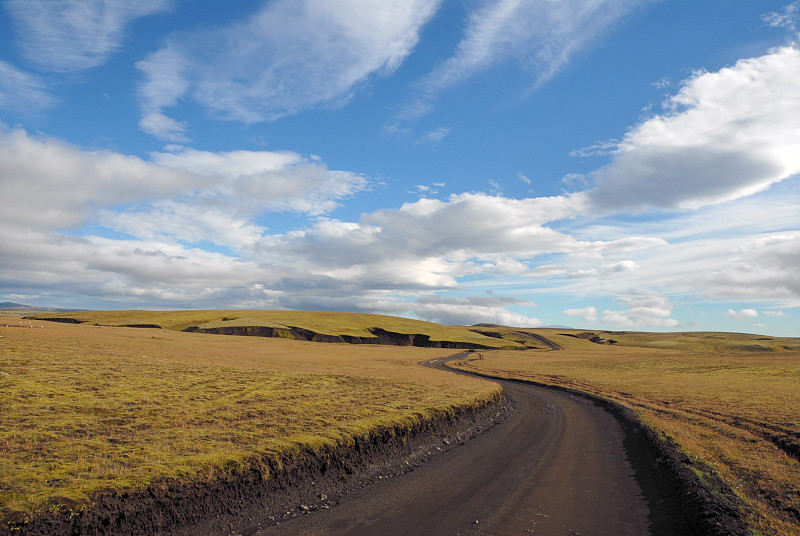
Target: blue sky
x,y
609,164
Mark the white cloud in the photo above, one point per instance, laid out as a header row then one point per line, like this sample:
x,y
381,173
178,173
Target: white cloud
x,y
727,135
48,183
267,180
475,234
643,311
775,314
540,37
72,35
185,195
435,136
615,268
288,57
588,313
22,91
788,19
521,176
471,310
742,314
742,250
575,180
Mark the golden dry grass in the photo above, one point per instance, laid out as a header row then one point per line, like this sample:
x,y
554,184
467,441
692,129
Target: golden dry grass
x,y
87,408
354,324
721,400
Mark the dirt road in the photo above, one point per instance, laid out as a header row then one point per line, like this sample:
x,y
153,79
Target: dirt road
x,y
560,465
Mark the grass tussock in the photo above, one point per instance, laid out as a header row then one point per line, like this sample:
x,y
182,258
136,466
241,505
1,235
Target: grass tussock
x,y
88,408
730,400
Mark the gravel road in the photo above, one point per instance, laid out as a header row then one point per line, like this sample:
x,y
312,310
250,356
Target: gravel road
x,y
559,465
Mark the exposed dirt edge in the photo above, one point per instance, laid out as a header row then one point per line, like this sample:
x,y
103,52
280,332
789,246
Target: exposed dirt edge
x,y
381,336
697,505
267,490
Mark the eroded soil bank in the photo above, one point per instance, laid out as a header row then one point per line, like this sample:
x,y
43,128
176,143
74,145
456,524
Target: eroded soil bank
x,y
381,336
269,490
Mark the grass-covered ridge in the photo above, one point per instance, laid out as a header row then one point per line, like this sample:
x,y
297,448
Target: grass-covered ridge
x,y
730,400
325,323
87,408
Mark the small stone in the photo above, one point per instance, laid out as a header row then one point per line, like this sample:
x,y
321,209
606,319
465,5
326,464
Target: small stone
x,y
304,508
476,522
323,497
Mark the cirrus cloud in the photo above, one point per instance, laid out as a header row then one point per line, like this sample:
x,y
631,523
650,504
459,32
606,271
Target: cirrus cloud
x,y
72,35
288,57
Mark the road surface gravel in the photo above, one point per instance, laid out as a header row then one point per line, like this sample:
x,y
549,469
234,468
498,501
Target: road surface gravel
x,y
559,465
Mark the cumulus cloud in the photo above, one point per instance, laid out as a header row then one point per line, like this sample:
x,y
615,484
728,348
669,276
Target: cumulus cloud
x,y
267,180
643,311
49,183
742,314
184,194
72,35
288,57
455,314
476,234
540,37
470,310
726,135
742,250
614,268
587,313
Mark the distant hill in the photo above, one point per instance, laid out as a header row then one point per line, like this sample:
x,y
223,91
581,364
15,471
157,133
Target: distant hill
x,y
5,306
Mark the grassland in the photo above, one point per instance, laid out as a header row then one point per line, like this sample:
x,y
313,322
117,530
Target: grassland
x,y
731,401
350,324
86,408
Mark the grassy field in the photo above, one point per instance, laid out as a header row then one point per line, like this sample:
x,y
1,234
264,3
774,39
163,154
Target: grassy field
x,y
353,324
86,408
730,400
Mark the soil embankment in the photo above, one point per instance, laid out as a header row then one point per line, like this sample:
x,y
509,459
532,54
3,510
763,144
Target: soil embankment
x,y
242,500
563,463
381,336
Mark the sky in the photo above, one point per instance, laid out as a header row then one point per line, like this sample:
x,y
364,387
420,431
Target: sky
x,y
599,164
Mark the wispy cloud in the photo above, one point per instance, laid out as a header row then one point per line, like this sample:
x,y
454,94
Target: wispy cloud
x,y
539,37
435,136
72,35
290,56
726,134
789,18
22,91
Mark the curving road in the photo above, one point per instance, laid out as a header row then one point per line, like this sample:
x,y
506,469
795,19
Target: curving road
x,y
557,466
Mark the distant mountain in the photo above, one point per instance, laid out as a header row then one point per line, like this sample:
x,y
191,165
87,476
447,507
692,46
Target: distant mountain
x,y
18,306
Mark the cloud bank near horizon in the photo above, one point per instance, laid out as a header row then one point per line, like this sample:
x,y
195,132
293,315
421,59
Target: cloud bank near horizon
x,y
154,216
184,227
